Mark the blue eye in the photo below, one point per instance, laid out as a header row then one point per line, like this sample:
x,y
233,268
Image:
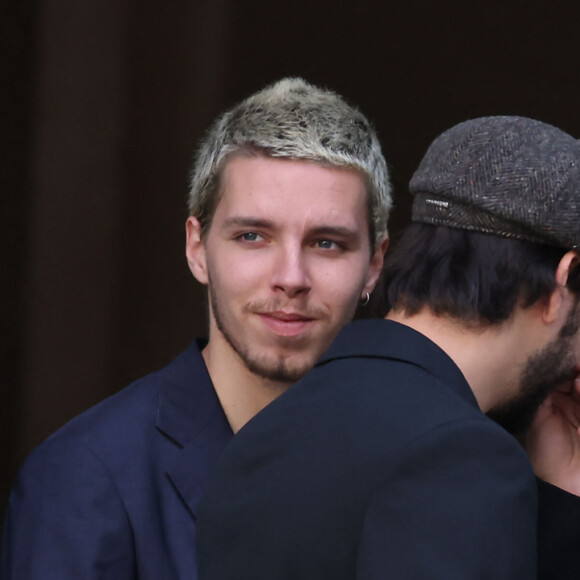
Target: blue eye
x,y
326,244
250,237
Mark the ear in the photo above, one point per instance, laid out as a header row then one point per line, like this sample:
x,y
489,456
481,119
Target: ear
x,y
560,296
376,265
195,250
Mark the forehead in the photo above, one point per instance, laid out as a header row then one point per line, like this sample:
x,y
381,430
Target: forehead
x,y
289,191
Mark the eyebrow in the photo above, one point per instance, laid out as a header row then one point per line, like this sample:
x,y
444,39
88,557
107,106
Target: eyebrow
x,y
324,230
341,231
247,222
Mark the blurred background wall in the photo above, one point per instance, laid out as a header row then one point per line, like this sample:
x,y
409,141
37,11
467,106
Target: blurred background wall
x,y
102,104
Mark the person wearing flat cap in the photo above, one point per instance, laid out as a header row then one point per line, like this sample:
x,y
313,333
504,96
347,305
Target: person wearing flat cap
x,y
393,457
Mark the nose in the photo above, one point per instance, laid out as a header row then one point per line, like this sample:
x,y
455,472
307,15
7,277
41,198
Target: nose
x,y
290,273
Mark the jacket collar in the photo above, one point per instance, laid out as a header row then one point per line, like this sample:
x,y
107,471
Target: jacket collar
x,y
378,338
189,413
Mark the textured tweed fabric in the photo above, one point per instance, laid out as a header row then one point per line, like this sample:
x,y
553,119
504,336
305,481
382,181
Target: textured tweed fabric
x,y
508,176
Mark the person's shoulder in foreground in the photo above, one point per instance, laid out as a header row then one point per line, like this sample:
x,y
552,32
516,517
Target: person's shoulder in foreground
x,y
106,496
381,463
372,466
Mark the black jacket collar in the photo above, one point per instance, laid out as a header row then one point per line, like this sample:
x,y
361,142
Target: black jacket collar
x,y
378,338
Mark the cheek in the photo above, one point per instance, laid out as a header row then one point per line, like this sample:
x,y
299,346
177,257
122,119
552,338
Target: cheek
x,y
341,287
239,274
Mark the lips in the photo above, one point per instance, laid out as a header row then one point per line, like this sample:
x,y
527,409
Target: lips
x,y
286,323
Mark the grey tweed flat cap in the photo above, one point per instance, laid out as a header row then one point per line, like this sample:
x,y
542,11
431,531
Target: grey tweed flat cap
x,y
507,176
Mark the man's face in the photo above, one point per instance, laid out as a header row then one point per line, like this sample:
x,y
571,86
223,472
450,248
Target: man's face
x,y
287,258
544,371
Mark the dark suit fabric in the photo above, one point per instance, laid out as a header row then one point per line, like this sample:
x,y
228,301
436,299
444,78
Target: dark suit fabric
x,y
558,534
113,495
377,465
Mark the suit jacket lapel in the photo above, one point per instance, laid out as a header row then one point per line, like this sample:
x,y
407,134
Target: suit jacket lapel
x,y
190,413
195,463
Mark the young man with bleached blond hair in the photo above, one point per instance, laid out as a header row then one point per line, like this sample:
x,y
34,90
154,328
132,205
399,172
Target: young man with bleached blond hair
x,y
288,207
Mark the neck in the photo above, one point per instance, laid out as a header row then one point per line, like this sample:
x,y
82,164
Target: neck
x,y
490,357
242,394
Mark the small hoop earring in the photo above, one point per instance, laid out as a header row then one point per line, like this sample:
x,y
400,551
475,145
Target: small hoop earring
x,y
364,301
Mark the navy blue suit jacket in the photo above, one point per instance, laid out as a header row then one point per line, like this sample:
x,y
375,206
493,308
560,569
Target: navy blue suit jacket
x,y
113,495
377,465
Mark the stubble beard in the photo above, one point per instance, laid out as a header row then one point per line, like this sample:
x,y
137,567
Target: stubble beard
x,y
545,371
277,369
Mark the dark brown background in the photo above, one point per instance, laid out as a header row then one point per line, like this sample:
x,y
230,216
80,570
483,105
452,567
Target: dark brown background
x,y
102,103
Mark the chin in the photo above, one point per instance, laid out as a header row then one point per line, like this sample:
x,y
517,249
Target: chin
x,y
281,369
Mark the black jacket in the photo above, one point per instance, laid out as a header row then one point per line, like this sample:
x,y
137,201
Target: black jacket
x,y
377,465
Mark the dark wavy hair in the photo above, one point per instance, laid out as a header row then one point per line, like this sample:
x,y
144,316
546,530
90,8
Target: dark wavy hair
x,y
476,278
